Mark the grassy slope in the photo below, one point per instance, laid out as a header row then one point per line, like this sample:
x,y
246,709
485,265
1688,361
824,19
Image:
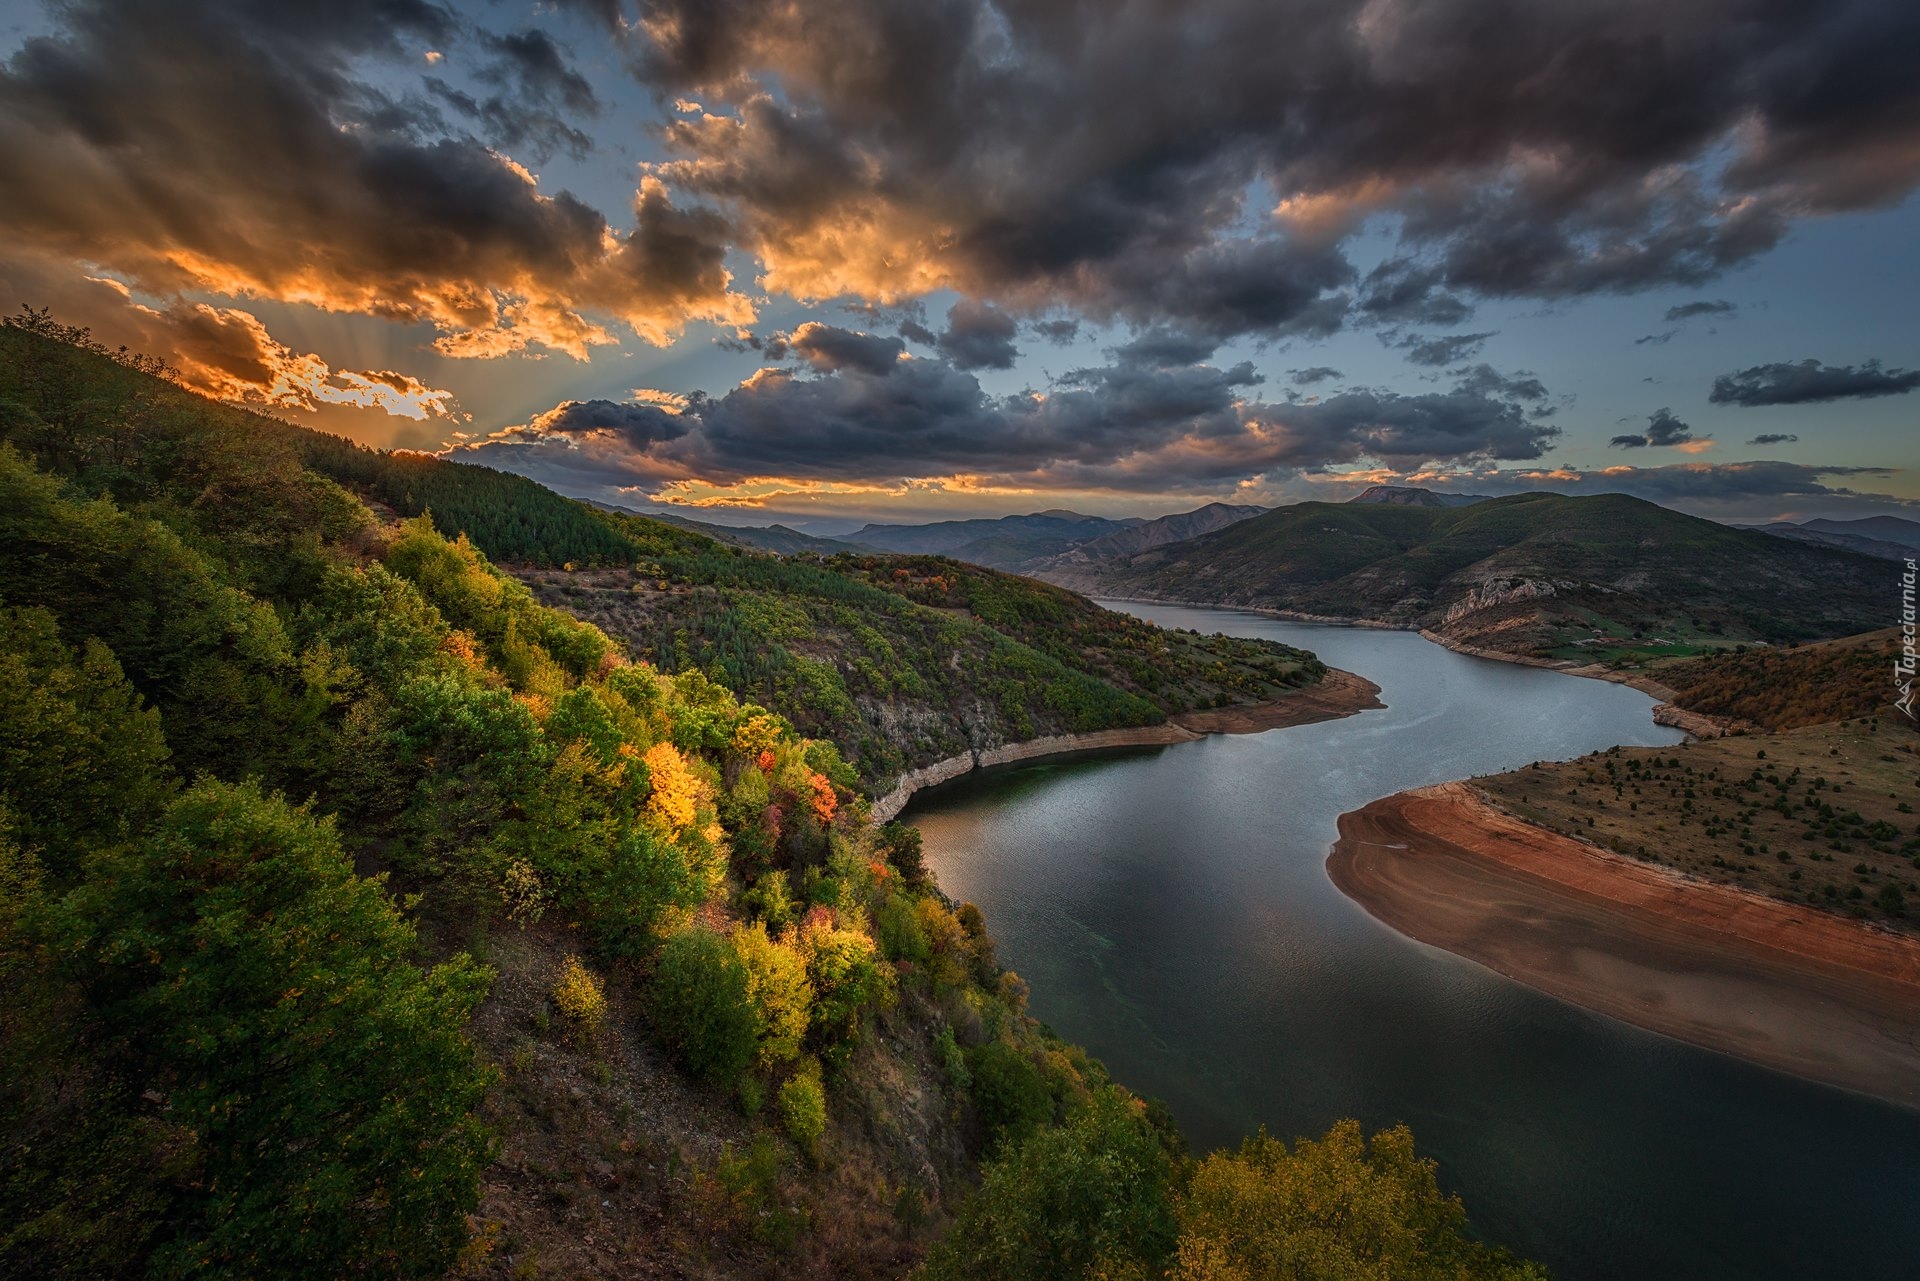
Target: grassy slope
x,y
1820,811
1620,570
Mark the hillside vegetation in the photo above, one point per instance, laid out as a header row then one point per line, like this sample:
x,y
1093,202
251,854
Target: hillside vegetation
x,y
360,916
1537,575
1788,688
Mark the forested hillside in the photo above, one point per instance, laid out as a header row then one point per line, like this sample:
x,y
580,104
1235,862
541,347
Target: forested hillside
x,y
1537,575
360,916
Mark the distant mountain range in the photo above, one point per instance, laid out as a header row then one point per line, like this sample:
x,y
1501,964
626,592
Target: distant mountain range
x,y
1047,540
1540,575
1887,537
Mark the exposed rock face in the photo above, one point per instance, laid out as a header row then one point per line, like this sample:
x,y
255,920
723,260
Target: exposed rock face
x,y
1494,593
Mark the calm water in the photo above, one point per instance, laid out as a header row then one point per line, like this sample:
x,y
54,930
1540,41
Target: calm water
x,y
1171,909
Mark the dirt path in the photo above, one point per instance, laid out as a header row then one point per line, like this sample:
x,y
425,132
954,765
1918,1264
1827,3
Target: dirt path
x,y
1791,988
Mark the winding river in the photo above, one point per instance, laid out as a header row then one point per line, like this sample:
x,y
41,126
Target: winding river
x,y
1171,910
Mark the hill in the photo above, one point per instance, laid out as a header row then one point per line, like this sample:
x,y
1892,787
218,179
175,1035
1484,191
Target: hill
x,y
1875,547
1884,529
361,916
778,539
1781,689
1410,496
1142,537
1533,575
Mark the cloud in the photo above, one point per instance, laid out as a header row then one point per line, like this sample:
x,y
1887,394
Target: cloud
x,y
1164,347
1664,431
890,148
223,352
1810,382
828,347
1313,375
248,156
978,336
1136,425
1774,438
1690,310
1058,332
1442,350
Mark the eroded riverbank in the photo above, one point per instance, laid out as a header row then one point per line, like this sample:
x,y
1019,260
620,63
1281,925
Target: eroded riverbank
x,y
1788,987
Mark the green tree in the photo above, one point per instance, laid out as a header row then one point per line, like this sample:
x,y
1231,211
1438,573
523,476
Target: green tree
x,y
267,992
702,1007
1339,1209
1088,1199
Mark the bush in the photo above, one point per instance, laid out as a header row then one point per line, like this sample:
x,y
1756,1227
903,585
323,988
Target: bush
x,y
1337,1209
803,1109
1009,1091
701,1005
848,979
1088,1199
580,998
778,994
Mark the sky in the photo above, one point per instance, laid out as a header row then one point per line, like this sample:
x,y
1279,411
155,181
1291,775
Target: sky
x,y
830,261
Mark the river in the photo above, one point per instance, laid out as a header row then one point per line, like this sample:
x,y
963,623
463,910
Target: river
x,y
1171,909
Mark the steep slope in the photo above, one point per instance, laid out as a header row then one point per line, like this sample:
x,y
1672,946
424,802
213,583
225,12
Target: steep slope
x,y
1538,575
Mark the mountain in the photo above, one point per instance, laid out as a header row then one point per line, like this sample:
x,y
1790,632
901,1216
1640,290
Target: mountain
x,y
1827,537
1003,543
1540,575
1885,529
1409,496
1065,567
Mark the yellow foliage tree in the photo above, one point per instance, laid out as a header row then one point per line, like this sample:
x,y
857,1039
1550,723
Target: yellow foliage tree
x,y
676,792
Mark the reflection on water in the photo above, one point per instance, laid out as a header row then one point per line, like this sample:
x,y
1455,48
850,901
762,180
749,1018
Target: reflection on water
x,y
1171,909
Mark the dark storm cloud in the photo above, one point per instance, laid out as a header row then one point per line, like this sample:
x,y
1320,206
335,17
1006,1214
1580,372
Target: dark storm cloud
x,y
1663,431
1485,380
1690,310
828,347
1531,150
914,331
978,336
535,90
1131,425
1058,332
1775,438
1441,350
1161,347
235,148
1313,375
1810,382
637,424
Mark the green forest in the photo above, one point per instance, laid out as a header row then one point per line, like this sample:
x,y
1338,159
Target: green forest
x,y
349,895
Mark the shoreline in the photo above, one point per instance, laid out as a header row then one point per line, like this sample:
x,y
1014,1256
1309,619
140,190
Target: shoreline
x,y
1782,986
1665,712
1337,694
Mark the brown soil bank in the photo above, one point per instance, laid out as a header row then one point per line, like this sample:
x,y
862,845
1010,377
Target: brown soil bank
x,y
1780,985
1333,696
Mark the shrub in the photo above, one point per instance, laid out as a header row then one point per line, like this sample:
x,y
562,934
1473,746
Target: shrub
x,y
1009,1091
1088,1199
701,1005
803,1109
848,979
1336,1208
580,998
779,996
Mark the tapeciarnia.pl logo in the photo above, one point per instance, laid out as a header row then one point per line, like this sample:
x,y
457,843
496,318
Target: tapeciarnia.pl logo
x,y
1903,666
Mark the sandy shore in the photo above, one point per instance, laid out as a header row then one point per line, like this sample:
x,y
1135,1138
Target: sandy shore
x,y
1335,695
1802,991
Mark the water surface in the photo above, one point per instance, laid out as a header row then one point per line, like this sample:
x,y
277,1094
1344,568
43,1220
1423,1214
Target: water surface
x,y
1171,909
